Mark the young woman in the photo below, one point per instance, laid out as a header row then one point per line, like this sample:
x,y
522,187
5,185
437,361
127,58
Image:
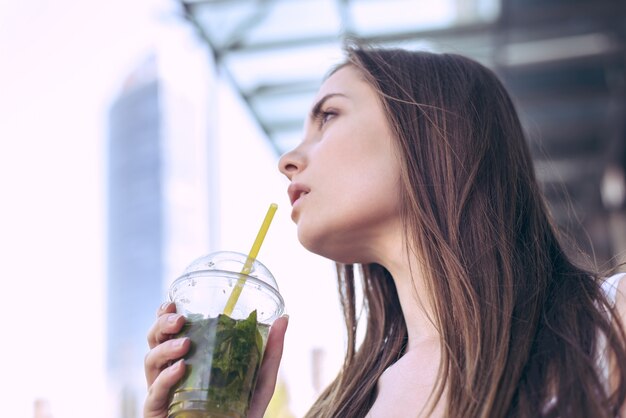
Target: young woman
x,y
415,177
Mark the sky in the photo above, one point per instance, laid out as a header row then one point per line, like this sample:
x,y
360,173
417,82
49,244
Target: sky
x,y
62,63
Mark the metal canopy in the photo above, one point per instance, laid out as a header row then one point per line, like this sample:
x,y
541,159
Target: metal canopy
x,y
563,60
277,51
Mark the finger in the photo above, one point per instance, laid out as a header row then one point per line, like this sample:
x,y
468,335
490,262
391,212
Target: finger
x,y
158,393
154,337
165,326
159,357
166,307
269,368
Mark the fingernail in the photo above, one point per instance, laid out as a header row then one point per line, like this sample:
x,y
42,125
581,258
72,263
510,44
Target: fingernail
x,y
164,306
180,342
173,318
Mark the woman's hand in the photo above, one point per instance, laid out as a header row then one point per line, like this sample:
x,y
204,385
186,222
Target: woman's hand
x,y
269,368
164,350
160,375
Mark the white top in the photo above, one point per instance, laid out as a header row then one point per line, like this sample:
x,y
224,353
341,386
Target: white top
x,y
610,289
610,286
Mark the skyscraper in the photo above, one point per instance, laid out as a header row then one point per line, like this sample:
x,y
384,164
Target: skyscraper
x,y
157,214
135,219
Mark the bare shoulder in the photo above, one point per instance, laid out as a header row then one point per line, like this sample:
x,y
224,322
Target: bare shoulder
x,y
405,388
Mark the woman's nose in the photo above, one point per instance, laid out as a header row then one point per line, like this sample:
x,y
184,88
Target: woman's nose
x,y
290,163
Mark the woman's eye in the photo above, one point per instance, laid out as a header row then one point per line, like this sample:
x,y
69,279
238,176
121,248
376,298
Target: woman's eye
x,y
325,116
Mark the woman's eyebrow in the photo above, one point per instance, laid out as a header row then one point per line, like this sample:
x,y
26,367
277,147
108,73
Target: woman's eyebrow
x,y
318,106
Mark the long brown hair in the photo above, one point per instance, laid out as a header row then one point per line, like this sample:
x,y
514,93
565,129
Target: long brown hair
x,y
521,325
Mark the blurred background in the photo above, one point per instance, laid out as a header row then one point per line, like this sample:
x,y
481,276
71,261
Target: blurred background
x,y
136,136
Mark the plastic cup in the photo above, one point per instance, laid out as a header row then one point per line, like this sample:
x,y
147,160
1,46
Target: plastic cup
x,y
226,351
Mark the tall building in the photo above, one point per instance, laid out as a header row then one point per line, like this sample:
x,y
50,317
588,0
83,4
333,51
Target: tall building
x,y
157,217
135,232
135,217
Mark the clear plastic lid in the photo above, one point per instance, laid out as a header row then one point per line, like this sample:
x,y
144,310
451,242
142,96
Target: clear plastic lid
x,y
230,261
207,283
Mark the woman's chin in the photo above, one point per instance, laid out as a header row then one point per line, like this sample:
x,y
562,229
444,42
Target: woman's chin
x,y
330,248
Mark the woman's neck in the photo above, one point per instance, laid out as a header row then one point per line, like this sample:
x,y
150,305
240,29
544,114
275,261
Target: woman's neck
x,y
414,299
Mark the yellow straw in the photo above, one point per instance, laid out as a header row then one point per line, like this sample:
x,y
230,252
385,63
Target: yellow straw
x,y
254,251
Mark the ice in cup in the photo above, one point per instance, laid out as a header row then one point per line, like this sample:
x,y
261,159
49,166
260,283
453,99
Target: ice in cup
x,y
226,350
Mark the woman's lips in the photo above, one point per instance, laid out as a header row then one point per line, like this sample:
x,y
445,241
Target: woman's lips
x,y
296,191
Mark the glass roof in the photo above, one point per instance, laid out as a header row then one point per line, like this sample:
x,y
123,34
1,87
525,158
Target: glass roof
x,y
278,51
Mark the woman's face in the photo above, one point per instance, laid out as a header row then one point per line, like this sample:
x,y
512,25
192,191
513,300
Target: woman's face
x,y
344,174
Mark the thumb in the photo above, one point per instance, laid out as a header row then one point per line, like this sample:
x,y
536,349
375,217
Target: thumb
x,y
269,368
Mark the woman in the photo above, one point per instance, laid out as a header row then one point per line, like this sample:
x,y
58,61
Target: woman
x,y
414,175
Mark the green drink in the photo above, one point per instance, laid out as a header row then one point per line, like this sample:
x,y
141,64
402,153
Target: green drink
x,y
222,365
226,352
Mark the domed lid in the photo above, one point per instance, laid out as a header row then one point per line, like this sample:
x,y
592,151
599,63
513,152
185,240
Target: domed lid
x,y
229,261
